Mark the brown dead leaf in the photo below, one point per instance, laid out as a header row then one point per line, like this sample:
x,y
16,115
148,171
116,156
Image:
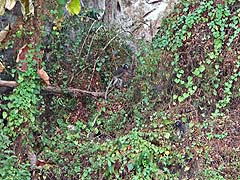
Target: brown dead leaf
x,y
44,76
22,53
4,33
2,67
21,58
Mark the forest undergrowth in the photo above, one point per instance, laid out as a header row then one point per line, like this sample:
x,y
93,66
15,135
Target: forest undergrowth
x,y
175,115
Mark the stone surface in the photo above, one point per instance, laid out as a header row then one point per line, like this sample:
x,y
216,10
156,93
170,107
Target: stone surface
x,y
142,18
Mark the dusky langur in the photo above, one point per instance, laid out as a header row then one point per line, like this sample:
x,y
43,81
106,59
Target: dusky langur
x,y
181,128
117,80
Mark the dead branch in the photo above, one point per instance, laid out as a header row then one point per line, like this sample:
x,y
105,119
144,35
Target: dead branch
x,y
8,83
53,89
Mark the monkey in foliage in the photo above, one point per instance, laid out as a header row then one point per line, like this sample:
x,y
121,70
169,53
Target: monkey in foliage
x,y
117,80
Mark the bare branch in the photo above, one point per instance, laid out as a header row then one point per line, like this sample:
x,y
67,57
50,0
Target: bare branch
x,y
8,83
55,89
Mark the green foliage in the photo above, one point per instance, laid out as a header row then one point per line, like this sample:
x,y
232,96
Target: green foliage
x,y
9,160
203,69
22,106
132,153
20,113
211,174
133,134
89,54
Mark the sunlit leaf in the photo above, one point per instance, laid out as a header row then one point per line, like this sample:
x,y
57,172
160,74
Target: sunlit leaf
x,y
2,7
10,4
167,152
27,7
187,168
4,33
73,7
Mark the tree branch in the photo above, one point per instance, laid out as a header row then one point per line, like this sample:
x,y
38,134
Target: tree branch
x,y
8,83
55,89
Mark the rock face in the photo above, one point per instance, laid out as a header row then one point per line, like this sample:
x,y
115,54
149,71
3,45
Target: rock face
x,y
140,17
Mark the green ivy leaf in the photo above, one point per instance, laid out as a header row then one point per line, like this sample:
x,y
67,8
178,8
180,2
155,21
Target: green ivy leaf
x,y
185,95
202,68
167,135
130,166
194,88
180,99
179,76
177,80
4,114
98,69
175,97
73,7
196,72
181,71
189,78
212,55
208,61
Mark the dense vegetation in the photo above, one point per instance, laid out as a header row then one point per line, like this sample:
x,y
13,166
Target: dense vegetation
x,y
176,117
